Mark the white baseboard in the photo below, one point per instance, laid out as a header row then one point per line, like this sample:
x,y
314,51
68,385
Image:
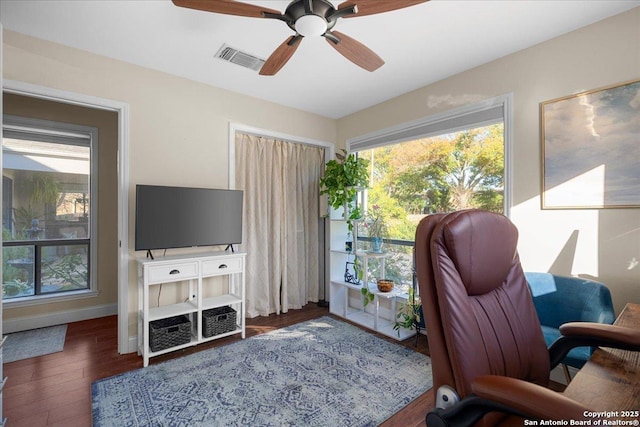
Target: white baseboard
x,y
132,345
58,318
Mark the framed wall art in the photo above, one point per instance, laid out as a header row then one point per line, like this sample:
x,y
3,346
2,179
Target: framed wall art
x,y
591,149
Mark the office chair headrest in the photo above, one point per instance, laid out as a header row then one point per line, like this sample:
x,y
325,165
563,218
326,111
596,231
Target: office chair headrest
x,y
482,245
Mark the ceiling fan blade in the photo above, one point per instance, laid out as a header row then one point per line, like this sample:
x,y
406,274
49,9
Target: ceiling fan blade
x,y
281,56
354,51
370,7
228,7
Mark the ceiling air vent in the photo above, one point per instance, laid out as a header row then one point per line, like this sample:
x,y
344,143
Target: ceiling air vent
x,y
243,59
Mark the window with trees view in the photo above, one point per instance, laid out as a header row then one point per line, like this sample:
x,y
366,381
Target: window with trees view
x,y
46,208
448,171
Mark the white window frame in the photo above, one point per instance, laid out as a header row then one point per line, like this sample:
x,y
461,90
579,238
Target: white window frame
x,y
50,131
480,114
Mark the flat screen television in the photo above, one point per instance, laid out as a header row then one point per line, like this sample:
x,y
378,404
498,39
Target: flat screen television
x,y
180,217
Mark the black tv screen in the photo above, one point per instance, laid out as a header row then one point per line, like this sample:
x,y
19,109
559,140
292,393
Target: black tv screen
x,y
180,217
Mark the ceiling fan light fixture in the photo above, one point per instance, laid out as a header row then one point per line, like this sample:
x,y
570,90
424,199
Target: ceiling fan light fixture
x,y
311,25
309,18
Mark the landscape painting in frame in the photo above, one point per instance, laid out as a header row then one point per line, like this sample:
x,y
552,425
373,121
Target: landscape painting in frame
x,y
591,149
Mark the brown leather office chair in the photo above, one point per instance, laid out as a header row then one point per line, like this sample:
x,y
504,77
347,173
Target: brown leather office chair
x,y
490,361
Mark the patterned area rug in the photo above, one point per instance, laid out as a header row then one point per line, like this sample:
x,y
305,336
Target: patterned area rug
x,y
322,372
32,343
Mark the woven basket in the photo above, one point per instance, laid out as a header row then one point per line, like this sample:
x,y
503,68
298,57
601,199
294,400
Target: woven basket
x,y
169,332
218,321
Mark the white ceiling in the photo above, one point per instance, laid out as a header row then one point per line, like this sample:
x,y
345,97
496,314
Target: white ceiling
x,y
420,44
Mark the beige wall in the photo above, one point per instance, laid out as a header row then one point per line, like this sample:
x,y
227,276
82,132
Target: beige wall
x,y
178,127
178,132
590,243
107,124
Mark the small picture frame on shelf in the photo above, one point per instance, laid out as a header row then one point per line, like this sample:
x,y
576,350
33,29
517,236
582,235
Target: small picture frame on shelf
x,y
350,275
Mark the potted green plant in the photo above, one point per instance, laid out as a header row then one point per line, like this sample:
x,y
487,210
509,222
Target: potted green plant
x,y
342,178
376,227
408,316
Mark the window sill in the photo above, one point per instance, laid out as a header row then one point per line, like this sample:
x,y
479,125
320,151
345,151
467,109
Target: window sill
x,y
47,299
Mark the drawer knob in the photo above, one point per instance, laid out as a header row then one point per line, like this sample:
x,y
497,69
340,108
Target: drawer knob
x,y
222,266
174,271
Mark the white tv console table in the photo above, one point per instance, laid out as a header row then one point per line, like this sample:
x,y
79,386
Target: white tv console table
x,y
188,271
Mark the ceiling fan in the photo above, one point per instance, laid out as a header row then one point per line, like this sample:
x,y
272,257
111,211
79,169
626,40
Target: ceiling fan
x,y
309,18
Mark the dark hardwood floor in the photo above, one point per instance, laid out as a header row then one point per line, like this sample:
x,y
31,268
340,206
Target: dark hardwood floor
x,y
54,390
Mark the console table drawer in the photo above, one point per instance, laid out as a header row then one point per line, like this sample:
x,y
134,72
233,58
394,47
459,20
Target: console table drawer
x,y
172,272
227,266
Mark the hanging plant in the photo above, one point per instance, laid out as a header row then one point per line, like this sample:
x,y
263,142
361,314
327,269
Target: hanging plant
x,y
44,188
367,296
342,177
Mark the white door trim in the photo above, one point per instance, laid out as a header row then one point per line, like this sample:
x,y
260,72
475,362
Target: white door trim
x,y
329,147
122,109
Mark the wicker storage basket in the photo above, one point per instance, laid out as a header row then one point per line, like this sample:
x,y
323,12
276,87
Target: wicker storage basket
x,y
169,332
218,321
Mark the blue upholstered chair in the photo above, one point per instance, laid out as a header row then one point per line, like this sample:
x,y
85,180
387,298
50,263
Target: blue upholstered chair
x,y
560,299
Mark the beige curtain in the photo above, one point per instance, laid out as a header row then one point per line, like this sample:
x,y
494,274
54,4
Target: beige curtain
x,y
280,224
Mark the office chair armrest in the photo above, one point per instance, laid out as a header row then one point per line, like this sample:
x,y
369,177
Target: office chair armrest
x,y
511,396
581,334
611,333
